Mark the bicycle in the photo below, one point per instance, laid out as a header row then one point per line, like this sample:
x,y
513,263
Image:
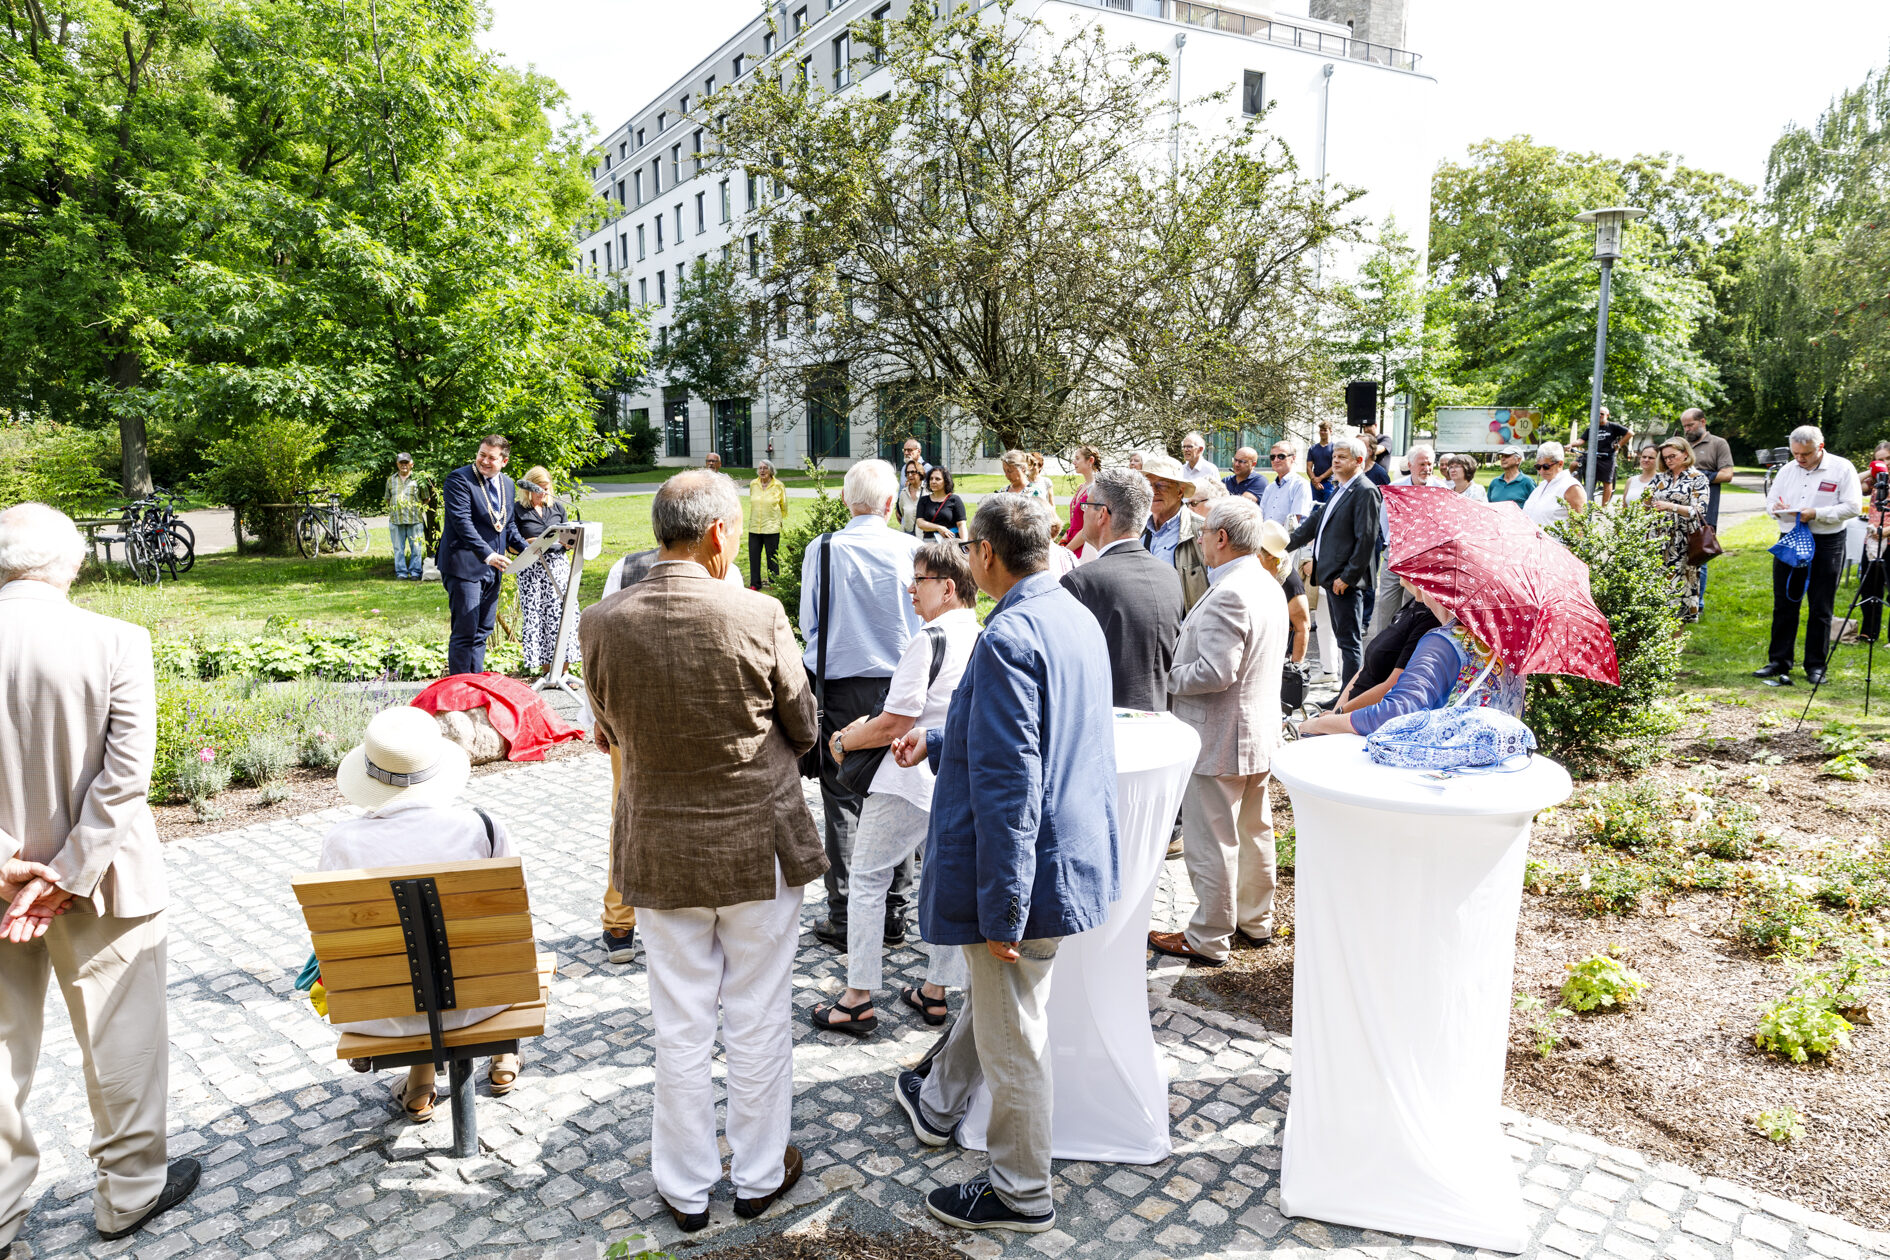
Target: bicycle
x,y
328,526
172,537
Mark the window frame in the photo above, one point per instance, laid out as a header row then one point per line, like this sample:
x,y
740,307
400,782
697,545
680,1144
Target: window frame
x,y
1253,88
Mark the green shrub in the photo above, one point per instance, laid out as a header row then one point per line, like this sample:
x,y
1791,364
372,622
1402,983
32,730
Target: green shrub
x,y
1591,727
321,749
1542,1022
1601,980
1611,887
273,461
1778,918
1850,982
1782,1125
1634,817
191,716
200,775
58,464
263,758
1855,883
825,513
1802,1023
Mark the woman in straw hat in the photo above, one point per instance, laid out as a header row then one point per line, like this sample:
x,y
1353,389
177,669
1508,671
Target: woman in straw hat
x,y
407,775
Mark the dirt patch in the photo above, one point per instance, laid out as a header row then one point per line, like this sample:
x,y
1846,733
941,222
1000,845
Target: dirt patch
x,y
1677,1076
836,1244
310,791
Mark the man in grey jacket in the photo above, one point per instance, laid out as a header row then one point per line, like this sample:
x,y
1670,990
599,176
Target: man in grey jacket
x,y
1135,598
1225,683
78,731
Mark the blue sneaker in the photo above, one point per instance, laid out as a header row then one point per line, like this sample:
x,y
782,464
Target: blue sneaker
x,y
975,1205
620,949
906,1089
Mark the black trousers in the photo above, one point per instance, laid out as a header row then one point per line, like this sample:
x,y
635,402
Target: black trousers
x,y
1872,602
758,543
846,699
1348,626
1816,585
473,606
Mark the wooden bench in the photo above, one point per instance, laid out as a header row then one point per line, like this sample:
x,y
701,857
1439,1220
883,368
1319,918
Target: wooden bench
x,y
406,940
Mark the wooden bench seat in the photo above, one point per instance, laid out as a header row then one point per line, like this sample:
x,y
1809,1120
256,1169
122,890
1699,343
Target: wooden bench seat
x,y
419,940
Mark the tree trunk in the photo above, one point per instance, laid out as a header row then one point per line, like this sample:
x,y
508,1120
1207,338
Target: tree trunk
x,y
134,460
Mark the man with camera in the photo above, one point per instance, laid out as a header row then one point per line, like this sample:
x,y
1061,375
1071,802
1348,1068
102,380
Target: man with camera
x,y
1820,491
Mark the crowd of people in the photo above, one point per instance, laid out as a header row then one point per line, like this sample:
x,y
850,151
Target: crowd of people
x,y
948,793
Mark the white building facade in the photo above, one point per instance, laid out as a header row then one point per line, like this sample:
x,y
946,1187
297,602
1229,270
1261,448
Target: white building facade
x,y
1348,101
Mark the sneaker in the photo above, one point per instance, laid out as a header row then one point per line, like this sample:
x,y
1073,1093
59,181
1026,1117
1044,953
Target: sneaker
x,y
179,1180
906,1090
975,1205
620,949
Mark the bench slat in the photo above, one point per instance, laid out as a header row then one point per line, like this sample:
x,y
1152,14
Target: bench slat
x,y
342,974
352,1005
498,929
511,1024
331,888
386,912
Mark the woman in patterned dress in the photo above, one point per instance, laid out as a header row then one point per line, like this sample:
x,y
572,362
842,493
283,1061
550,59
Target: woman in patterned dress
x,y
1679,495
541,584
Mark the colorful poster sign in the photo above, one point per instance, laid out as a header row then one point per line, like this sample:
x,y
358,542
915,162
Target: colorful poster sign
x,y
1474,430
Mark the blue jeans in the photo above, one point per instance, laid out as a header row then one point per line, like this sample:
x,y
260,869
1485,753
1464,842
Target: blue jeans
x,y
406,540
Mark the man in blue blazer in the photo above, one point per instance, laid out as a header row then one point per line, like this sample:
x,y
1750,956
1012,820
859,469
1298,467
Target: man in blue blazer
x,y
1020,853
481,522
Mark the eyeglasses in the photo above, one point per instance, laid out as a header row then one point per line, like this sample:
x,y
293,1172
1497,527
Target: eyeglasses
x,y
1279,456
918,578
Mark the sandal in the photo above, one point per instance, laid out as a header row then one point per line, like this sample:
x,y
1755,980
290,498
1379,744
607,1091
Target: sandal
x,y
854,1025
503,1074
418,1108
934,1010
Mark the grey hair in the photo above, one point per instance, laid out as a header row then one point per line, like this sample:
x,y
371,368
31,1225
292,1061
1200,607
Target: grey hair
x,y
1195,435
1018,529
689,503
1127,495
1353,445
764,463
941,559
1807,433
869,486
1428,454
1242,519
39,543
1291,446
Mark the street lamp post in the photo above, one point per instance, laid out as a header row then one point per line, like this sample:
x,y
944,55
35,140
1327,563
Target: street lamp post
x,y
1607,248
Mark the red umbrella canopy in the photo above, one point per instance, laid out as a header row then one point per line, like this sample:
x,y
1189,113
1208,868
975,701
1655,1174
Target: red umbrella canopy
x,y
1516,589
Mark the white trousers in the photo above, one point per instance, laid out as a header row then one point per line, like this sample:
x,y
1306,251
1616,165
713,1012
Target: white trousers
x,y
891,828
740,958
1228,822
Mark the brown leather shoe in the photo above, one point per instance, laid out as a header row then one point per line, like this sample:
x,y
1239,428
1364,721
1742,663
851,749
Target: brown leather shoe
x,y
687,1222
1175,945
748,1209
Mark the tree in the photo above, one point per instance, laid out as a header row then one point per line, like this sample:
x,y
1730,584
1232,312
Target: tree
x,y
1547,360
708,351
1012,235
1383,328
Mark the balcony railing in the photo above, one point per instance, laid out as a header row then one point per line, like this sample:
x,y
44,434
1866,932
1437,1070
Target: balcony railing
x,y
1271,30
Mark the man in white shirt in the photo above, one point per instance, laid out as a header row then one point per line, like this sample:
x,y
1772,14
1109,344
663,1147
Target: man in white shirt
x,y
1390,596
1821,491
1288,497
1194,461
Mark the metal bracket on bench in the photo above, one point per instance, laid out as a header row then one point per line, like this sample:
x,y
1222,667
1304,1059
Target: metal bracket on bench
x,y
429,961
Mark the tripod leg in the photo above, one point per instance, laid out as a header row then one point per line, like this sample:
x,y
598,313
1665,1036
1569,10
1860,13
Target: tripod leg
x,y
1830,654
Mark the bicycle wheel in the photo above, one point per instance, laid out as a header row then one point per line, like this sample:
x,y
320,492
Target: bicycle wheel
x,y
182,542
350,533
308,536
138,557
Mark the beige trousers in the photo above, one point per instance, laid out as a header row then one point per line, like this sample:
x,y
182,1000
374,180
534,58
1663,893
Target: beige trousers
x,y
111,973
1227,825
618,918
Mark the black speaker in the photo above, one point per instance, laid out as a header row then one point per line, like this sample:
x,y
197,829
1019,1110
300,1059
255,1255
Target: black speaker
x,y
1361,402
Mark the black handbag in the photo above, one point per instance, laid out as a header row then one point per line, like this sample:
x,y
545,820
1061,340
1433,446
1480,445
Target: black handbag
x,y
856,770
811,760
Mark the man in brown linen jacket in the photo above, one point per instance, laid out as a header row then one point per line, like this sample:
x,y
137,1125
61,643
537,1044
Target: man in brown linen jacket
x,y
699,684
78,731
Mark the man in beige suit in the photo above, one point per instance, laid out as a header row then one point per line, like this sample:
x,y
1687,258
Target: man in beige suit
x,y
78,729
1225,683
699,684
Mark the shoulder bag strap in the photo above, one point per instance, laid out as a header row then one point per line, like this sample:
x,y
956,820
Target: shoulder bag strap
x,y
492,841
937,636
822,610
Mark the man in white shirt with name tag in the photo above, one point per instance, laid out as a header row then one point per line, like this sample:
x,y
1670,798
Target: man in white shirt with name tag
x,y
1820,490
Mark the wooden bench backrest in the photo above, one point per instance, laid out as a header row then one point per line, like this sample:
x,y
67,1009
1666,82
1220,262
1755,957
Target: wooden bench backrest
x,y
355,925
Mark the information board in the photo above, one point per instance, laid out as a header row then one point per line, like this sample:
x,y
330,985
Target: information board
x,y
1480,430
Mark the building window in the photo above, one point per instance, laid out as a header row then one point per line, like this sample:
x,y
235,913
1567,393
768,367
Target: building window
x,y
827,427
593,262
727,254
754,253
656,176
780,314
659,233
741,64
676,422
641,253
607,266
662,288
767,43
643,292
679,224
882,14
807,70
675,165
725,206
662,121
696,146
800,19
623,247
708,86
639,137
606,159
842,62
623,150
1253,93
751,190
620,200
679,279
702,213
685,103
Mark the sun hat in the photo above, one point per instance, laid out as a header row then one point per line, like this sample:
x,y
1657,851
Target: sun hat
x,y
1273,537
403,755
1163,465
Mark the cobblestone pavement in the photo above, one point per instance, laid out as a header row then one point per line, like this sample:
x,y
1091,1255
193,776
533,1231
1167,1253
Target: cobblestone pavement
x,y
305,1158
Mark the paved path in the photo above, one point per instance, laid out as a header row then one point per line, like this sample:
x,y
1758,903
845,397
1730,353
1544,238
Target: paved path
x,y
304,1158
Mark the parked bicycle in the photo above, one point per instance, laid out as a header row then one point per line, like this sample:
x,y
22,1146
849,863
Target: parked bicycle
x,y
157,544
327,526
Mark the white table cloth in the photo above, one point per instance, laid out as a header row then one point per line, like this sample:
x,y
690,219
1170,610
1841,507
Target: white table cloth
x,y
1406,893
1110,1086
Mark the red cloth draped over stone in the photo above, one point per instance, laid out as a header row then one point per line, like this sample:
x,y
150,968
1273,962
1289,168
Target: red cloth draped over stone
x,y
514,709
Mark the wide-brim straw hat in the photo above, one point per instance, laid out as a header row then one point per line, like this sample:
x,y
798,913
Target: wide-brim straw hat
x,y
403,755
1273,539
1165,466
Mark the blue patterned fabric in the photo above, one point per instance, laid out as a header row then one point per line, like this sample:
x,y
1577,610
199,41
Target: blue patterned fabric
x,y
1457,738
1795,546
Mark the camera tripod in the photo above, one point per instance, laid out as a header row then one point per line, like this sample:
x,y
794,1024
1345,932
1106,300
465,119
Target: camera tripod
x,y
1879,499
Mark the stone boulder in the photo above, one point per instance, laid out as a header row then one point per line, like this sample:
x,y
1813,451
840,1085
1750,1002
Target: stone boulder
x,y
472,730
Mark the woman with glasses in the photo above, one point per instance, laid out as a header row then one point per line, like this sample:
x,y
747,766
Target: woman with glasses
x,y
1461,472
899,802
1558,493
1679,494
907,509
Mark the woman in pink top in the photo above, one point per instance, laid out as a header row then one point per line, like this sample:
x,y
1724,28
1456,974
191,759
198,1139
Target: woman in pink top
x,y
1087,462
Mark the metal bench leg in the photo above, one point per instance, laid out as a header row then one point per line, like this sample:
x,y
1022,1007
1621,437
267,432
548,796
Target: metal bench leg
x,y
465,1119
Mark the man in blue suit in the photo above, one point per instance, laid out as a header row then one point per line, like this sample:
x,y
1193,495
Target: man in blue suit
x,y
1020,853
480,524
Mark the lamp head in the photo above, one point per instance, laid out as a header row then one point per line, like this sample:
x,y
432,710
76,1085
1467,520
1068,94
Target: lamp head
x,y
1608,228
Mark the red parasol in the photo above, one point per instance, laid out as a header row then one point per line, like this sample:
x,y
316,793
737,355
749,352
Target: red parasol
x,y
1512,585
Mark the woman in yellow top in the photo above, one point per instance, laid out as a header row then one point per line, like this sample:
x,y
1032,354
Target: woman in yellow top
x,y
767,508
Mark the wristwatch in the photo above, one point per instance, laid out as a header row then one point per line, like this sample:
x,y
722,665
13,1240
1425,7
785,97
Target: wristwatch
x,y
837,747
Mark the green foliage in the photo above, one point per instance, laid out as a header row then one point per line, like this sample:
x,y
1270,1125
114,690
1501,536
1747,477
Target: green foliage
x,y
200,774
1838,738
292,651
1855,882
1846,766
1382,336
57,464
1802,1023
1777,917
1542,1023
1590,727
273,462
1634,816
192,716
1601,980
1612,887
707,351
827,513
1781,1125
263,758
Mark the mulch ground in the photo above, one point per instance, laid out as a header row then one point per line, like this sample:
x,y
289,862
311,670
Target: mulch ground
x,y
834,1244
1677,1076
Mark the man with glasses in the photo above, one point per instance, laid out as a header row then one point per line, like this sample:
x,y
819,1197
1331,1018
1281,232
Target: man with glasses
x,y
1245,483
1288,498
1512,484
1821,492
1135,598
